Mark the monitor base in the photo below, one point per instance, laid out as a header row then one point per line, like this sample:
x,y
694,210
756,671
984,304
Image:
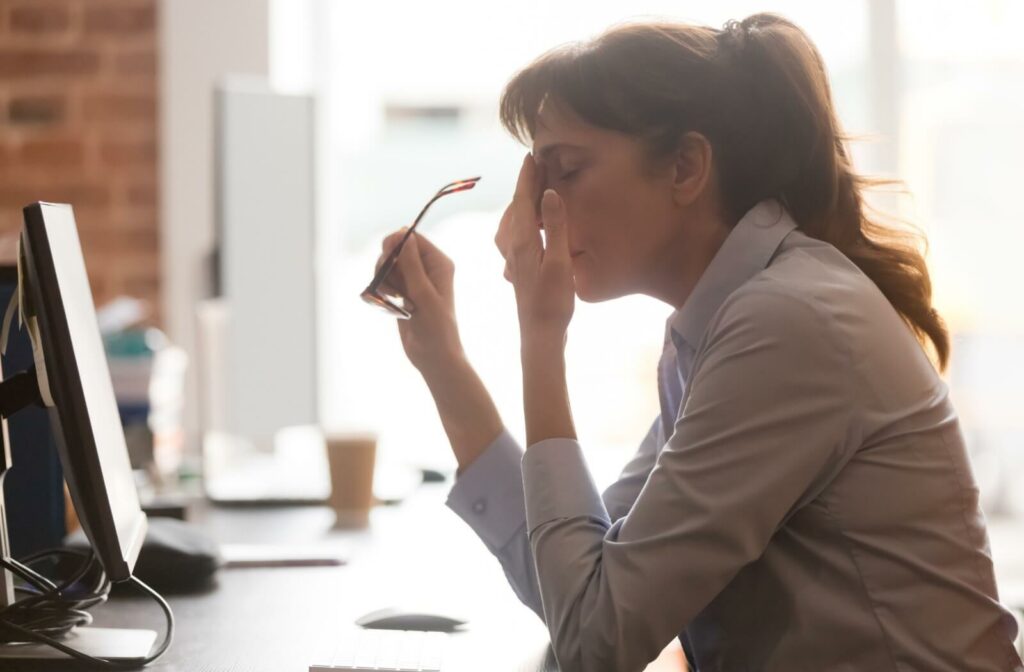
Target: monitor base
x,y
110,643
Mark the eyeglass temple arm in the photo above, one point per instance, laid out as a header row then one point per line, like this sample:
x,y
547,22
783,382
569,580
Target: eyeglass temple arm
x,y
385,268
444,191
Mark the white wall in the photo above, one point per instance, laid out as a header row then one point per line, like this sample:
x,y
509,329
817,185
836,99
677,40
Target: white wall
x,y
200,41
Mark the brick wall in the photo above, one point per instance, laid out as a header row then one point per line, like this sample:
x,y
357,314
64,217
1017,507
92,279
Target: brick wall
x,y
78,125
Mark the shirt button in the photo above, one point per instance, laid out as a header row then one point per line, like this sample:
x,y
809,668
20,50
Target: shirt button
x,y
479,506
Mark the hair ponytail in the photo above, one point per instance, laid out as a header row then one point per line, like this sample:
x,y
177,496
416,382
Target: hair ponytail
x,y
820,188
758,90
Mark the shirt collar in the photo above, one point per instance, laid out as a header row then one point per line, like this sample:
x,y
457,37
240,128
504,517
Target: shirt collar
x,y
745,252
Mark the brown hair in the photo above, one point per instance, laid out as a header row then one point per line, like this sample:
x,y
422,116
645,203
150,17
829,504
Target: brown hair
x,y
758,91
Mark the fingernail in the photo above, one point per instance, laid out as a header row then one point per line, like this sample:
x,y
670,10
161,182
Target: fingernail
x,y
551,196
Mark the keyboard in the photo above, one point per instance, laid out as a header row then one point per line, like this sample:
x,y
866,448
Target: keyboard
x,y
387,650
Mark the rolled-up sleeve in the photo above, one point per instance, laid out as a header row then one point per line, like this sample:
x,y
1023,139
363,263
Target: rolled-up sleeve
x,y
767,421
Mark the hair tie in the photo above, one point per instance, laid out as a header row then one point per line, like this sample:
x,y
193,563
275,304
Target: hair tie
x,y
733,35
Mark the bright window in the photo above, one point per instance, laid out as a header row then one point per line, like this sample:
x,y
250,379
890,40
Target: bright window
x,y
412,104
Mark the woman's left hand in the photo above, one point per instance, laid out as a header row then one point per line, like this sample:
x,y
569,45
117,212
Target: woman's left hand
x,y
540,269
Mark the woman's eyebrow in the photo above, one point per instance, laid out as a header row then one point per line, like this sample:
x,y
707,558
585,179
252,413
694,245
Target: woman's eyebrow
x,y
547,150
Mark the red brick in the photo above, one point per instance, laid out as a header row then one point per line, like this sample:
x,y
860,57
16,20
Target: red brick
x,y
43,162
128,153
135,221
86,216
52,152
142,243
18,196
9,247
78,105
119,264
36,63
98,284
39,18
142,194
122,245
51,109
114,106
136,63
120,18
10,220
140,283
116,221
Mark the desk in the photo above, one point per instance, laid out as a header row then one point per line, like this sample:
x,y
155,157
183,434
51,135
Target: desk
x,y
418,554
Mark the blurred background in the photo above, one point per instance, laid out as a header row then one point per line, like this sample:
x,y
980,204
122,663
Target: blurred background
x,y
234,165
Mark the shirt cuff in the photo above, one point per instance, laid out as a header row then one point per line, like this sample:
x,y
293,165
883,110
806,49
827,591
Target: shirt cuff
x,y
558,484
488,495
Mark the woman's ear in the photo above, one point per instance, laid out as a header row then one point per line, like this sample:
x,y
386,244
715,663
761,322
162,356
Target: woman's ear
x,y
692,169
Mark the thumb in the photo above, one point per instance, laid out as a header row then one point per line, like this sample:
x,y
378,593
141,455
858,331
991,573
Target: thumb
x,y
410,264
556,238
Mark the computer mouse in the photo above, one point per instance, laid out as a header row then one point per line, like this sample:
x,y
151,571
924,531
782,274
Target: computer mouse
x,y
398,619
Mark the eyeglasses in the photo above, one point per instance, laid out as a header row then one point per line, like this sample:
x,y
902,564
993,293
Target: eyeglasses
x,y
393,303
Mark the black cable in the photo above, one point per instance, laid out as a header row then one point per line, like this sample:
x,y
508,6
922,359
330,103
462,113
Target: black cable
x,y
53,610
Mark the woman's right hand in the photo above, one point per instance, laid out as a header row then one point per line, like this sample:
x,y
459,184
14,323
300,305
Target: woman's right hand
x,y
424,277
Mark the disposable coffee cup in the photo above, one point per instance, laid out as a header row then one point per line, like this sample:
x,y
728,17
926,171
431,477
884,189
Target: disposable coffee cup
x,y
351,458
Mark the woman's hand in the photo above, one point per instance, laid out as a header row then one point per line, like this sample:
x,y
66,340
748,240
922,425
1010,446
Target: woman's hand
x,y
545,295
424,277
539,269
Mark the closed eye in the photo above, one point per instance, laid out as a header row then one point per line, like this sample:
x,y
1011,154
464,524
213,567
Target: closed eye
x,y
568,175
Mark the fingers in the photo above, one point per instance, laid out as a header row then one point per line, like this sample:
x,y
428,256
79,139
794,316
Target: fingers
x,y
556,236
526,184
421,273
387,246
518,238
427,249
397,296
501,235
404,280
414,275
523,233
438,267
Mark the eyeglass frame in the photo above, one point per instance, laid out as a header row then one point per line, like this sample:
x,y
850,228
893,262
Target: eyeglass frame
x,y
372,294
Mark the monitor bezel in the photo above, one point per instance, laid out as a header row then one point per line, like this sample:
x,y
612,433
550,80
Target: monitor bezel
x,y
70,416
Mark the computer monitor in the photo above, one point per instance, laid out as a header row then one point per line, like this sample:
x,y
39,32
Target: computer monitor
x,y
84,413
72,380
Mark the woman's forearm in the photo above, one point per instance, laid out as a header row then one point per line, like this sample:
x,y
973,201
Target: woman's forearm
x,y
545,393
468,413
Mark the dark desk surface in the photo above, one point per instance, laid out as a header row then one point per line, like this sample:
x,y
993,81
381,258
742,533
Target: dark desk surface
x,y
418,554
284,619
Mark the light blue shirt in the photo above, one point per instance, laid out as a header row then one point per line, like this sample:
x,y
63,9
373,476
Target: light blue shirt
x,y
806,505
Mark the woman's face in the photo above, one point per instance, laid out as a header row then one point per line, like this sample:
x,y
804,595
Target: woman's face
x,y
622,221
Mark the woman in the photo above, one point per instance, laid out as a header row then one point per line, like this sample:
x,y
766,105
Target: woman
x,y
804,501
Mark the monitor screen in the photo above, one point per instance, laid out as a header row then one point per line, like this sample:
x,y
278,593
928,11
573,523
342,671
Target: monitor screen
x,y
84,414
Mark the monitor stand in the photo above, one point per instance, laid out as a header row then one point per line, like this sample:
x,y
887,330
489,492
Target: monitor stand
x,y
16,393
